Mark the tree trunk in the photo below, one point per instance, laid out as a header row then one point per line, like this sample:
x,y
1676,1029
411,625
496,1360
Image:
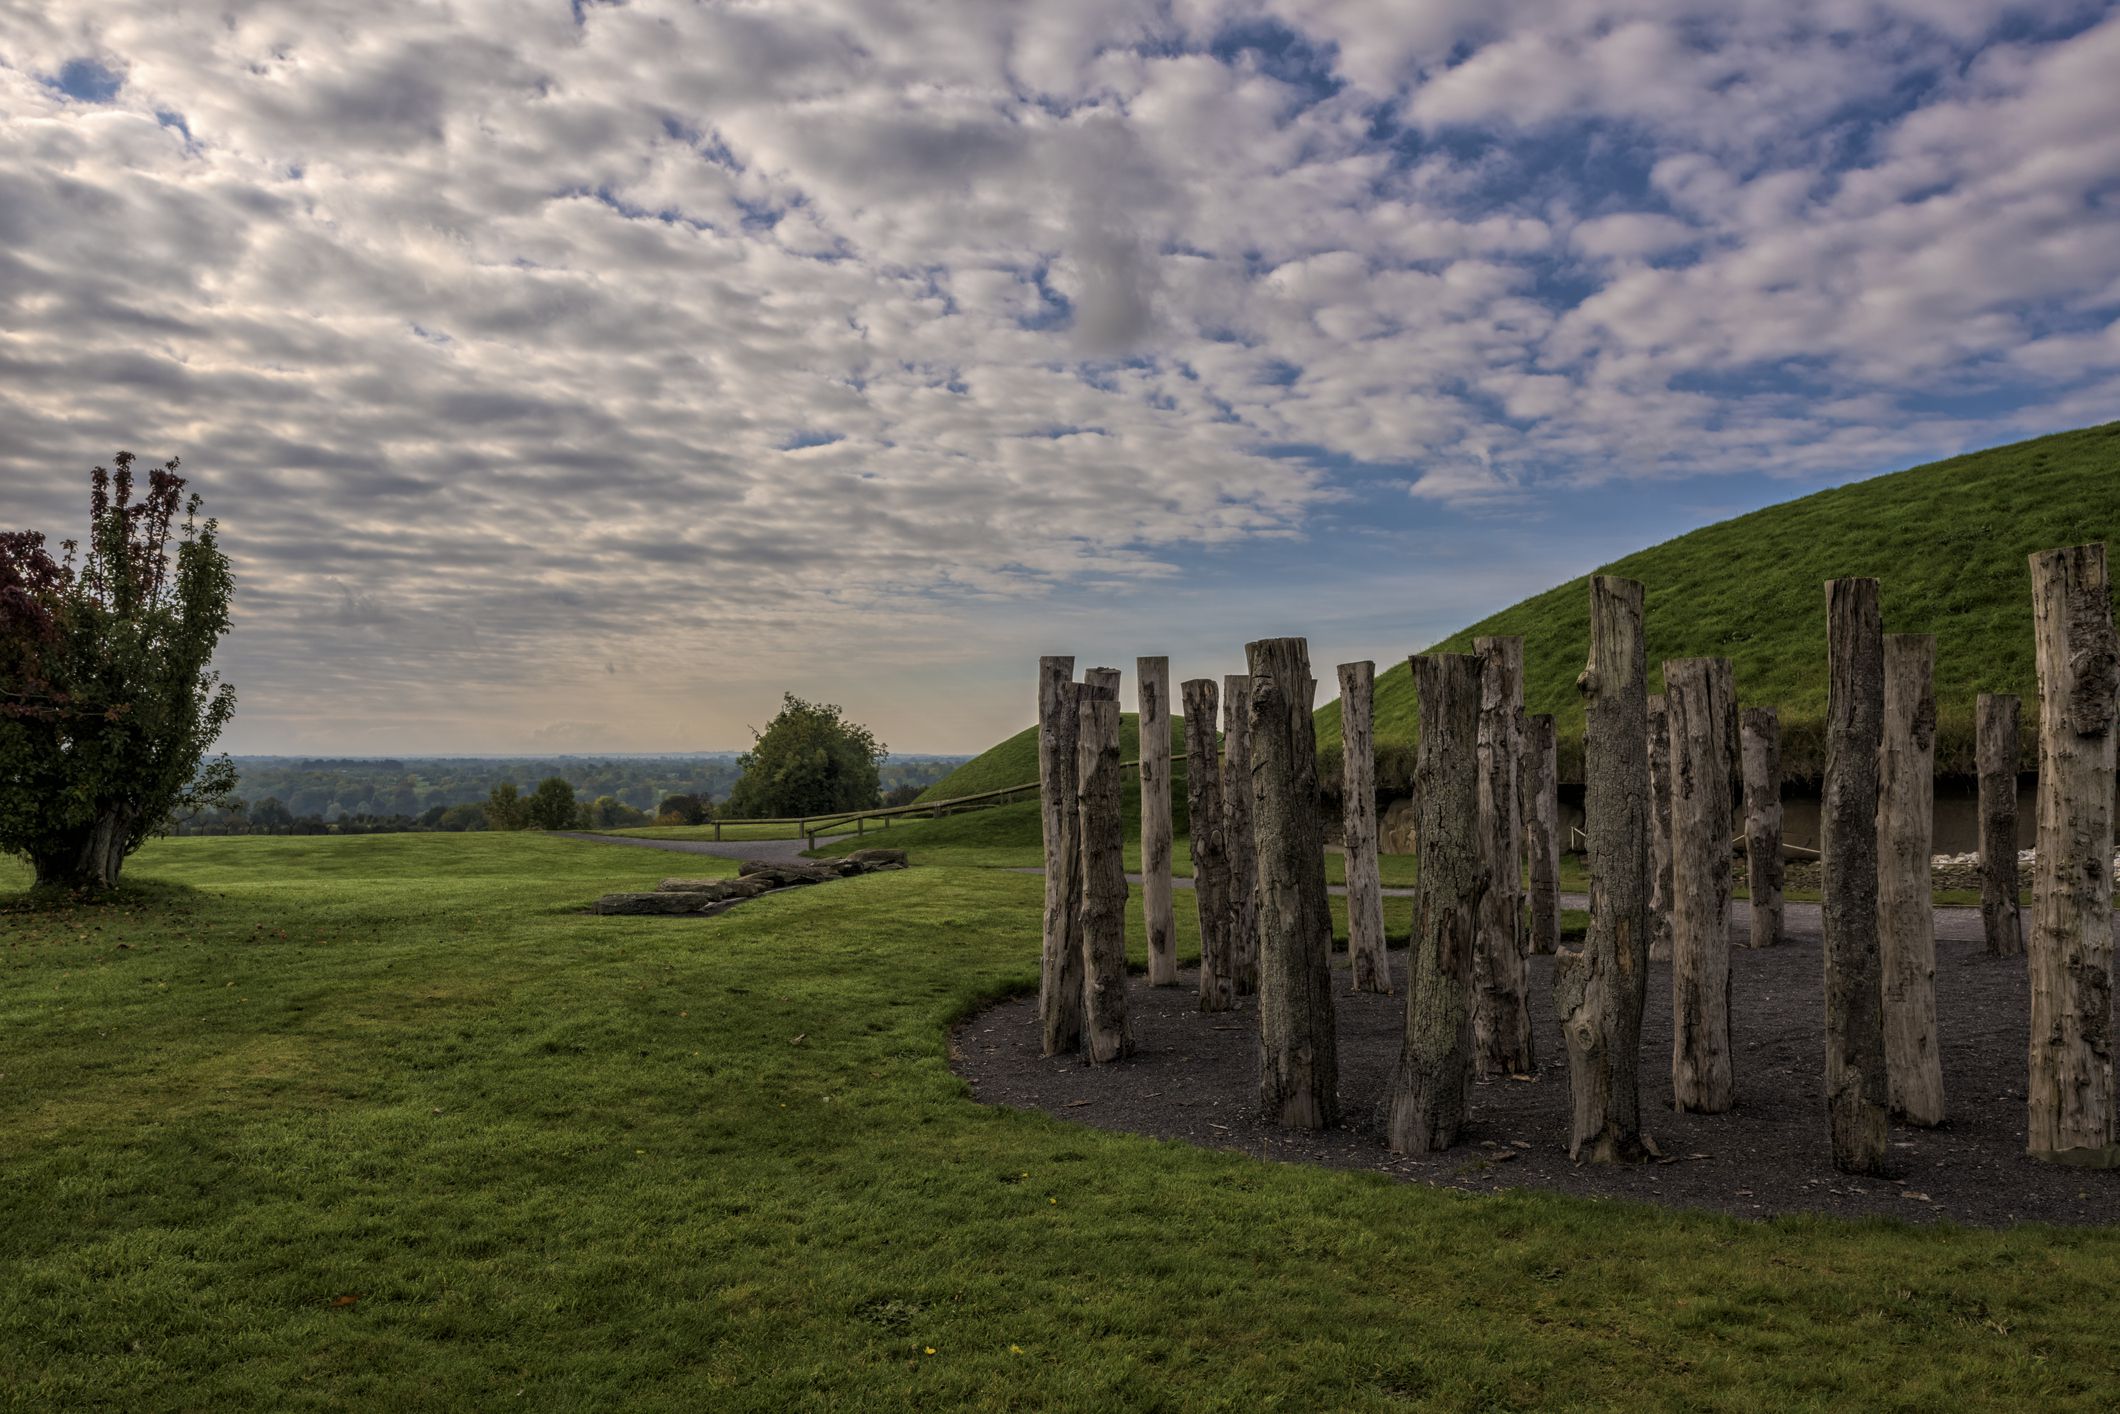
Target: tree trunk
x,y
1700,699
1203,796
1659,831
1599,990
1763,863
2070,957
1107,1036
1906,918
2000,918
90,860
1501,1014
1153,675
1298,1051
1542,832
1428,1089
1366,957
1855,1063
1236,835
1060,970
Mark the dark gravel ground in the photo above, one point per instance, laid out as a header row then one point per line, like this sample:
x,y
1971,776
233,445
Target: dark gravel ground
x,y
1194,1077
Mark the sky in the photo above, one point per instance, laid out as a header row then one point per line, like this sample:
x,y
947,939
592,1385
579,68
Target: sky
x,y
582,377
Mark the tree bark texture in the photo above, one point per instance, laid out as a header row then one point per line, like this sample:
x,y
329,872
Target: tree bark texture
x,y
1599,989
1366,957
1060,987
88,859
1236,836
1855,1062
1906,918
1700,700
1298,1049
1659,831
2070,954
1763,862
1542,829
1106,1033
1430,1085
1501,1012
1997,750
1203,797
1153,681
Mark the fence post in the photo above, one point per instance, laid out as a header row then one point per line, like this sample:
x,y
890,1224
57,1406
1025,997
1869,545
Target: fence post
x,y
1998,753
1501,1016
1367,960
1855,1063
1107,1032
1060,969
1152,682
1763,866
1700,699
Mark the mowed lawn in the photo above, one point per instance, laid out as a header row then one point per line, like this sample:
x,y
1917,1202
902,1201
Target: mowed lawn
x,y
387,1123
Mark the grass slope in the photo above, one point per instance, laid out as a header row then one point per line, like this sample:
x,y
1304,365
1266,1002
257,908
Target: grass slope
x,y
386,1123
1014,762
1948,541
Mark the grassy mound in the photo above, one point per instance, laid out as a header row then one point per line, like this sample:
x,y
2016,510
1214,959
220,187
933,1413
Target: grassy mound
x,y
1015,762
1948,541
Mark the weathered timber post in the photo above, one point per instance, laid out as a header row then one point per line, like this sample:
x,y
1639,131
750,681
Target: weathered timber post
x,y
1366,957
1429,1087
1542,829
1600,988
1763,863
1236,835
1153,683
1700,697
1906,918
1203,796
1997,752
1501,1015
2070,954
1106,1034
1299,1067
1659,830
1060,967
1855,1063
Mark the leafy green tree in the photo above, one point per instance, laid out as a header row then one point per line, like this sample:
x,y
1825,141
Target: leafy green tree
x,y
268,815
506,809
552,807
808,760
683,809
108,698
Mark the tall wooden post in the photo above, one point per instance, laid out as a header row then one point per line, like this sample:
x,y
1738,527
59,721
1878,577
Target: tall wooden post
x,y
1997,755
1299,1068
1203,797
1060,966
1659,830
1542,829
1855,1063
1763,863
2070,958
1236,816
1700,696
1501,1013
1152,677
1906,918
1107,1034
1366,957
1599,989
1429,1087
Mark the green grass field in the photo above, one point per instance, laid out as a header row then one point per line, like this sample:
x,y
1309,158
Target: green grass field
x,y
386,1122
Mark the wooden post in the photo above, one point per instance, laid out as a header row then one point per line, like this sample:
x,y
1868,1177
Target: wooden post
x,y
1542,830
1106,1033
1060,967
1659,830
1763,863
1153,683
1700,698
1428,1089
1501,1015
2070,956
1366,957
1236,835
1855,1063
1906,918
1298,1051
1599,989
1997,752
1203,795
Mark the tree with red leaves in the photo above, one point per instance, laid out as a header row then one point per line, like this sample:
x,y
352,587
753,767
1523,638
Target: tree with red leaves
x,y
108,698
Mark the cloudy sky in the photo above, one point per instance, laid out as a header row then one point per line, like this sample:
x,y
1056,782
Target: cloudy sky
x,y
579,377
